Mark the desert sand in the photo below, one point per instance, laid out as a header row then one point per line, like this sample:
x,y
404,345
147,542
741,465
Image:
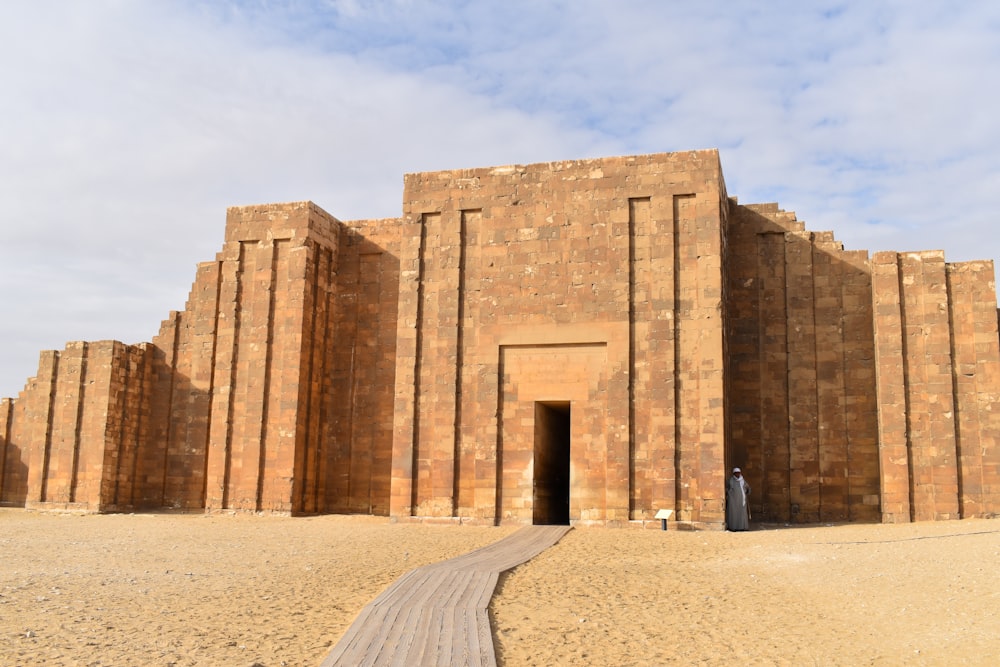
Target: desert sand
x,y
148,589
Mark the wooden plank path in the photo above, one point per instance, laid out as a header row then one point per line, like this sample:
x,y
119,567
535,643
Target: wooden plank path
x,y
437,614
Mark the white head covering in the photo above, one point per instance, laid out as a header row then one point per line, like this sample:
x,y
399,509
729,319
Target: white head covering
x,y
737,470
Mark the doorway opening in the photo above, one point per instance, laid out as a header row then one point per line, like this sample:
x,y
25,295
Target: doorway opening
x,y
550,502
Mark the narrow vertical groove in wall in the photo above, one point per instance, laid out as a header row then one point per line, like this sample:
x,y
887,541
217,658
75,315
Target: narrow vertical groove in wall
x,y
140,423
352,394
234,365
906,384
372,423
216,305
50,414
632,342
172,384
74,470
762,357
845,406
353,380
308,472
956,402
816,375
272,295
415,449
498,491
459,360
772,390
679,496
121,405
8,424
328,295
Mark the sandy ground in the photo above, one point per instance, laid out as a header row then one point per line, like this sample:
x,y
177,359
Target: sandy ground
x,y
246,590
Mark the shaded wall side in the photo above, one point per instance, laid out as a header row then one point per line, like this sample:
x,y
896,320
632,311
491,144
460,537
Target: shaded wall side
x,y
757,358
13,468
151,457
801,400
860,389
317,403
192,348
803,446
768,402
361,354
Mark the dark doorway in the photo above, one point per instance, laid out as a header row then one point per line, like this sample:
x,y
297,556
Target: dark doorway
x,y
551,484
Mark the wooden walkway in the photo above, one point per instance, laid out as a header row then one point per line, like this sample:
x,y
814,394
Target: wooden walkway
x,y
437,614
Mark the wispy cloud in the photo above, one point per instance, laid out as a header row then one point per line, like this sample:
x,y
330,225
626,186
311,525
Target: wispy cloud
x,y
129,127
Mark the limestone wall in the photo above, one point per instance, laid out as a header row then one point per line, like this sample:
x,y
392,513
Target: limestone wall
x,y
356,421
618,323
68,437
272,386
236,380
938,360
595,282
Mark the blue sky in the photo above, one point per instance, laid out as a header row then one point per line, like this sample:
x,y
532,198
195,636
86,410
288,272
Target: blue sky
x,y
128,127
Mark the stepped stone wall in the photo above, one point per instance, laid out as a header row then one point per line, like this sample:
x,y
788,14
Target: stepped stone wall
x,y
588,341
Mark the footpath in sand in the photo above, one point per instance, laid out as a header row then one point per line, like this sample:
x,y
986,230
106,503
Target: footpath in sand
x,y
242,590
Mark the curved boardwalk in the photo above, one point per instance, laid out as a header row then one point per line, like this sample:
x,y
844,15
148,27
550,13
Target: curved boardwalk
x,y
437,614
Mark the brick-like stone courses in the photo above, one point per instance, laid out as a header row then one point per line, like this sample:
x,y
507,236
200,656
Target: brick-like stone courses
x,y
573,373
64,433
894,461
801,384
357,418
398,366
13,472
927,343
976,365
860,411
127,429
261,389
935,345
189,340
500,263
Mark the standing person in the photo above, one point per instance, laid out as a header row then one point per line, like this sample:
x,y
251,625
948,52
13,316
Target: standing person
x,y
737,512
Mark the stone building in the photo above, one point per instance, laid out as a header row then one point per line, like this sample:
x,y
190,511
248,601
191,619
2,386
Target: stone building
x,y
588,341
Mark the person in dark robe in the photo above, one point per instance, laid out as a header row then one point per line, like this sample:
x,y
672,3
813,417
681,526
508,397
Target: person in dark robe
x,y
737,511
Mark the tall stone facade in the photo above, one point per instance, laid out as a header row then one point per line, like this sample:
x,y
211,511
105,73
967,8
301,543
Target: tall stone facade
x,y
589,342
